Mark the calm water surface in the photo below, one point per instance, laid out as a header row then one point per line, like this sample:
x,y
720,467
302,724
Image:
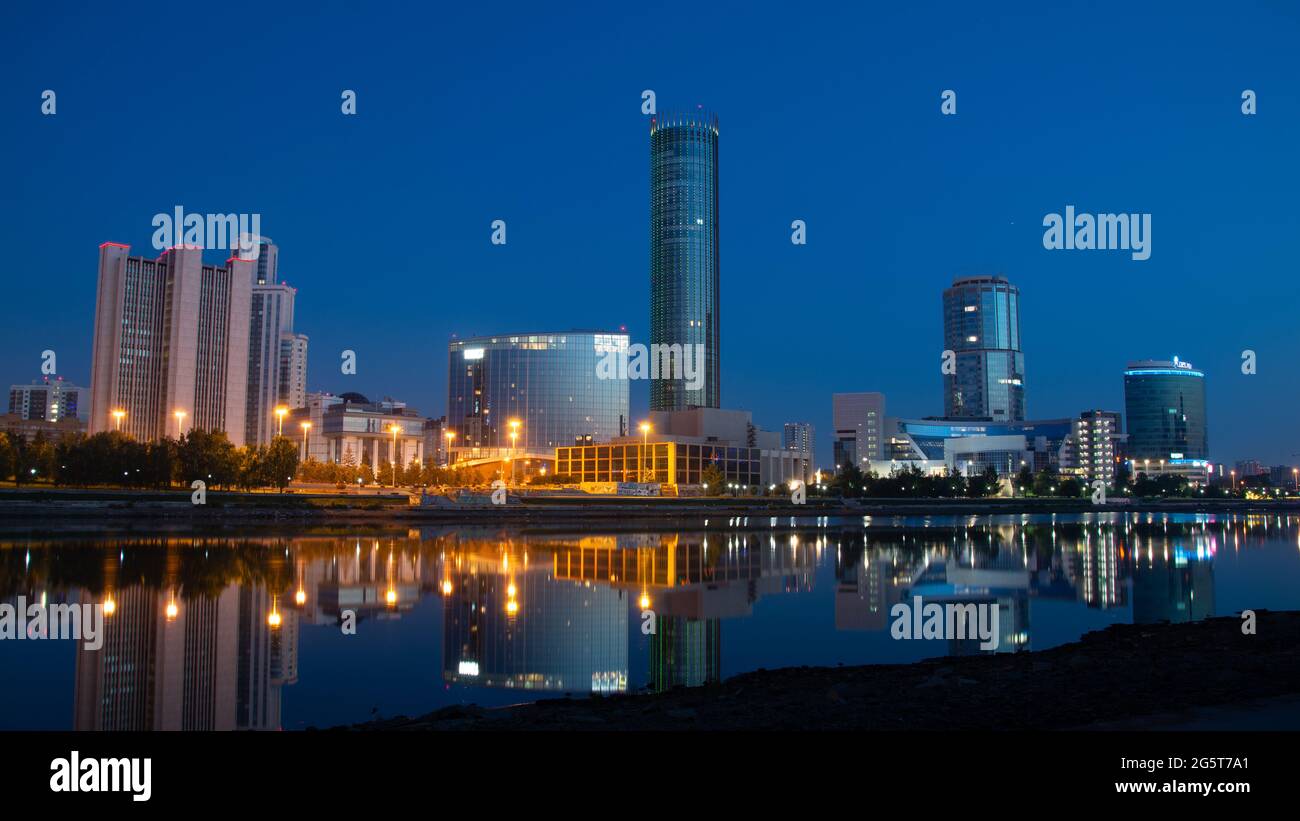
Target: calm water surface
x,y
247,633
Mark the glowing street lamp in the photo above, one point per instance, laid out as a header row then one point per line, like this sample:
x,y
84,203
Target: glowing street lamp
x,y
645,437
394,429
451,434
1295,472
306,426
118,415
281,411
514,436
180,421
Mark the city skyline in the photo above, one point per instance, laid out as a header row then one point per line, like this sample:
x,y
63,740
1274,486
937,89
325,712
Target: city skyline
x,y
1203,295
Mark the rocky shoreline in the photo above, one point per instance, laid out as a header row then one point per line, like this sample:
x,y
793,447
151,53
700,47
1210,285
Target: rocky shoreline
x,y
1124,673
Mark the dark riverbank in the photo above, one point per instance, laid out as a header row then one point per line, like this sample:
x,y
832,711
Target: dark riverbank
x,y
1132,676
37,511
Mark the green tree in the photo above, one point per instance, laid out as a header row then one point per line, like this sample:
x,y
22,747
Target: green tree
x,y
849,482
7,456
210,456
1123,479
1024,480
1070,487
983,484
279,462
713,480
34,460
1046,482
159,463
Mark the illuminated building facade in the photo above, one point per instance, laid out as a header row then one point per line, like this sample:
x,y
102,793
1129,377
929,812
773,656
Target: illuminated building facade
x,y
277,357
349,429
679,446
171,335
981,326
1164,403
859,422
547,382
1096,446
685,271
49,400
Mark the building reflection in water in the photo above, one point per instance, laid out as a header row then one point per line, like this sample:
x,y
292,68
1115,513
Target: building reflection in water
x,y
1173,579
204,633
210,661
508,622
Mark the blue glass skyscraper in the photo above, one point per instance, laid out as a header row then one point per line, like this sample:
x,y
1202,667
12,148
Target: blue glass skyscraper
x,y
1164,402
684,266
547,382
981,326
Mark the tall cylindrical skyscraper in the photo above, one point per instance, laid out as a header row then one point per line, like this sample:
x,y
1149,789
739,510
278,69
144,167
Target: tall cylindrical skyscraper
x,y
981,326
684,266
1164,402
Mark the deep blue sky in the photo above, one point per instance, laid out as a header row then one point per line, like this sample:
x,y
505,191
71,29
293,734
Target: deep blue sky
x,y
828,114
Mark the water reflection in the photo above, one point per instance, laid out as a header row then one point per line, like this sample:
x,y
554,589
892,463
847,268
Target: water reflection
x,y
205,633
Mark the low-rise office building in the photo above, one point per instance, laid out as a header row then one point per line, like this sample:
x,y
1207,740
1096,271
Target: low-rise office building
x,y
679,446
969,445
351,430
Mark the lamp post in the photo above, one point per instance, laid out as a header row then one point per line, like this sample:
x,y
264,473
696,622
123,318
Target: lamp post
x,y
451,434
117,415
281,411
514,436
1233,474
306,426
180,421
1295,472
645,437
394,429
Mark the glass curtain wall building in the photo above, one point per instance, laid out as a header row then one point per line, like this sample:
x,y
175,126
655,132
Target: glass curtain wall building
x,y
684,262
1164,402
981,325
674,463
547,382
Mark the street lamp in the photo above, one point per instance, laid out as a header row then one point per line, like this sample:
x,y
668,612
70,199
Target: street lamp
x,y
281,411
645,435
514,436
118,415
394,429
180,420
1296,473
306,426
1233,474
451,434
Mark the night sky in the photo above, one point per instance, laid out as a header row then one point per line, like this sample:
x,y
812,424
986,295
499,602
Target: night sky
x,y
828,114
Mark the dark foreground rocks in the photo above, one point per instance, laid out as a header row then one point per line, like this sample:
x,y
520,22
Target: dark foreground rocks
x,y
1119,674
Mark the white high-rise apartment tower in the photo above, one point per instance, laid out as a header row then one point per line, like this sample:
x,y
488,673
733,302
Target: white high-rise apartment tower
x,y
171,343
277,357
